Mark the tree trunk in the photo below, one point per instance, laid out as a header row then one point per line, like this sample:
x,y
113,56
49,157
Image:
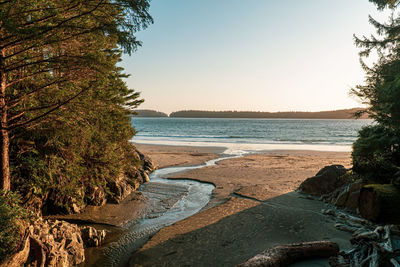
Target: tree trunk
x,y
4,136
289,254
4,162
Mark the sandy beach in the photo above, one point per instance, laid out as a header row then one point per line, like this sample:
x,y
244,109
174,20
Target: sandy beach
x,y
253,207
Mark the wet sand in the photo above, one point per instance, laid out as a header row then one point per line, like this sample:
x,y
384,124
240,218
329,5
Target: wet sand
x,y
253,208
167,156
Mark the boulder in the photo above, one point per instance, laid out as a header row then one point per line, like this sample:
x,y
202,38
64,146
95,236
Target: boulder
x,y
349,196
55,243
380,203
92,237
325,181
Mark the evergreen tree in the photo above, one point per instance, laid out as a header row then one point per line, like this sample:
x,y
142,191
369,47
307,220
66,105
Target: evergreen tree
x,y
376,153
54,52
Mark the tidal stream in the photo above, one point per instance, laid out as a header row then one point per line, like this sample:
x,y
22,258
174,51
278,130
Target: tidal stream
x,y
135,234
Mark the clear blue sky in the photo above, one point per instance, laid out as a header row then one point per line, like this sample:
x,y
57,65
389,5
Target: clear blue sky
x,y
261,55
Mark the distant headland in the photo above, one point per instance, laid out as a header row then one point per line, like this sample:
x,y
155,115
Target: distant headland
x,y
150,113
333,114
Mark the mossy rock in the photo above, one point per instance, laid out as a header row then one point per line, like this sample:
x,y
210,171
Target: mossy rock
x,y
380,203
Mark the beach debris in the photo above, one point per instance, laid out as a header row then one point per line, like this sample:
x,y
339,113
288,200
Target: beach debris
x,y
347,221
346,228
373,248
289,254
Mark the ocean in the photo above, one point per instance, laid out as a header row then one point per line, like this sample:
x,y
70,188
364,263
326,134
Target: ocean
x,y
250,134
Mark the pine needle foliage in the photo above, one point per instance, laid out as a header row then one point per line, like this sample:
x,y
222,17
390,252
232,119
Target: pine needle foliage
x,y
64,107
54,51
376,153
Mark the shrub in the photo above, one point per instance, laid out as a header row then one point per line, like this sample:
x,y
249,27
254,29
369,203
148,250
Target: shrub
x,y
376,154
10,213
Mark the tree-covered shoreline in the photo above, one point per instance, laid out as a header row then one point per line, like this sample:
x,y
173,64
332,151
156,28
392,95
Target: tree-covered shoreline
x,y
64,106
334,114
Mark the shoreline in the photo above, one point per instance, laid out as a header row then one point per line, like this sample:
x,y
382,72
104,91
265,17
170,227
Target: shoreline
x,y
264,181
220,195
245,147
250,181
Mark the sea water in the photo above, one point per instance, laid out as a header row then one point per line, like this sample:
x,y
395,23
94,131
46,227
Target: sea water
x,y
250,134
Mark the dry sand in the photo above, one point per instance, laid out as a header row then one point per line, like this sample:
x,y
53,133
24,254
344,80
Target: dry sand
x,y
253,208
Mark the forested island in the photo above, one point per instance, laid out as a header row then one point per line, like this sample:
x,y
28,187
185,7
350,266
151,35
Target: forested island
x,y
149,113
335,114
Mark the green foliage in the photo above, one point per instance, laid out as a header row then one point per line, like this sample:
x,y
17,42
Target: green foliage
x,y
350,177
53,53
68,108
10,213
80,147
382,4
376,153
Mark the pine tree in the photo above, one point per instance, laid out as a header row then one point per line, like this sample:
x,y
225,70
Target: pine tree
x,y
53,52
376,153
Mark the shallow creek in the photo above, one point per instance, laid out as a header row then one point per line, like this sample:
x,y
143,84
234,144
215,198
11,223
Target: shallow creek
x,y
192,196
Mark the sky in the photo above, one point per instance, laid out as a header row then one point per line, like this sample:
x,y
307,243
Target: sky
x,y
250,55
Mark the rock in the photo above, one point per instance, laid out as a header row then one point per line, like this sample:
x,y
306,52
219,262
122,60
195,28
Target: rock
x,y
55,243
146,177
33,202
92,237
95,196
121,188
349,196
58,202
19,258
325,181
37,253
380,203
148,164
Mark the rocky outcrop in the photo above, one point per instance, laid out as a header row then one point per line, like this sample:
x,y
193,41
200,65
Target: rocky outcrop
x,y
96,196
380,203
92,237
123,186
348,197
148,165
327,180
116,189
127,183
55,243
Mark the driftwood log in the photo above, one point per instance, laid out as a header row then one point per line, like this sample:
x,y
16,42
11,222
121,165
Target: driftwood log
x,y
374,248
380,203
288,254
